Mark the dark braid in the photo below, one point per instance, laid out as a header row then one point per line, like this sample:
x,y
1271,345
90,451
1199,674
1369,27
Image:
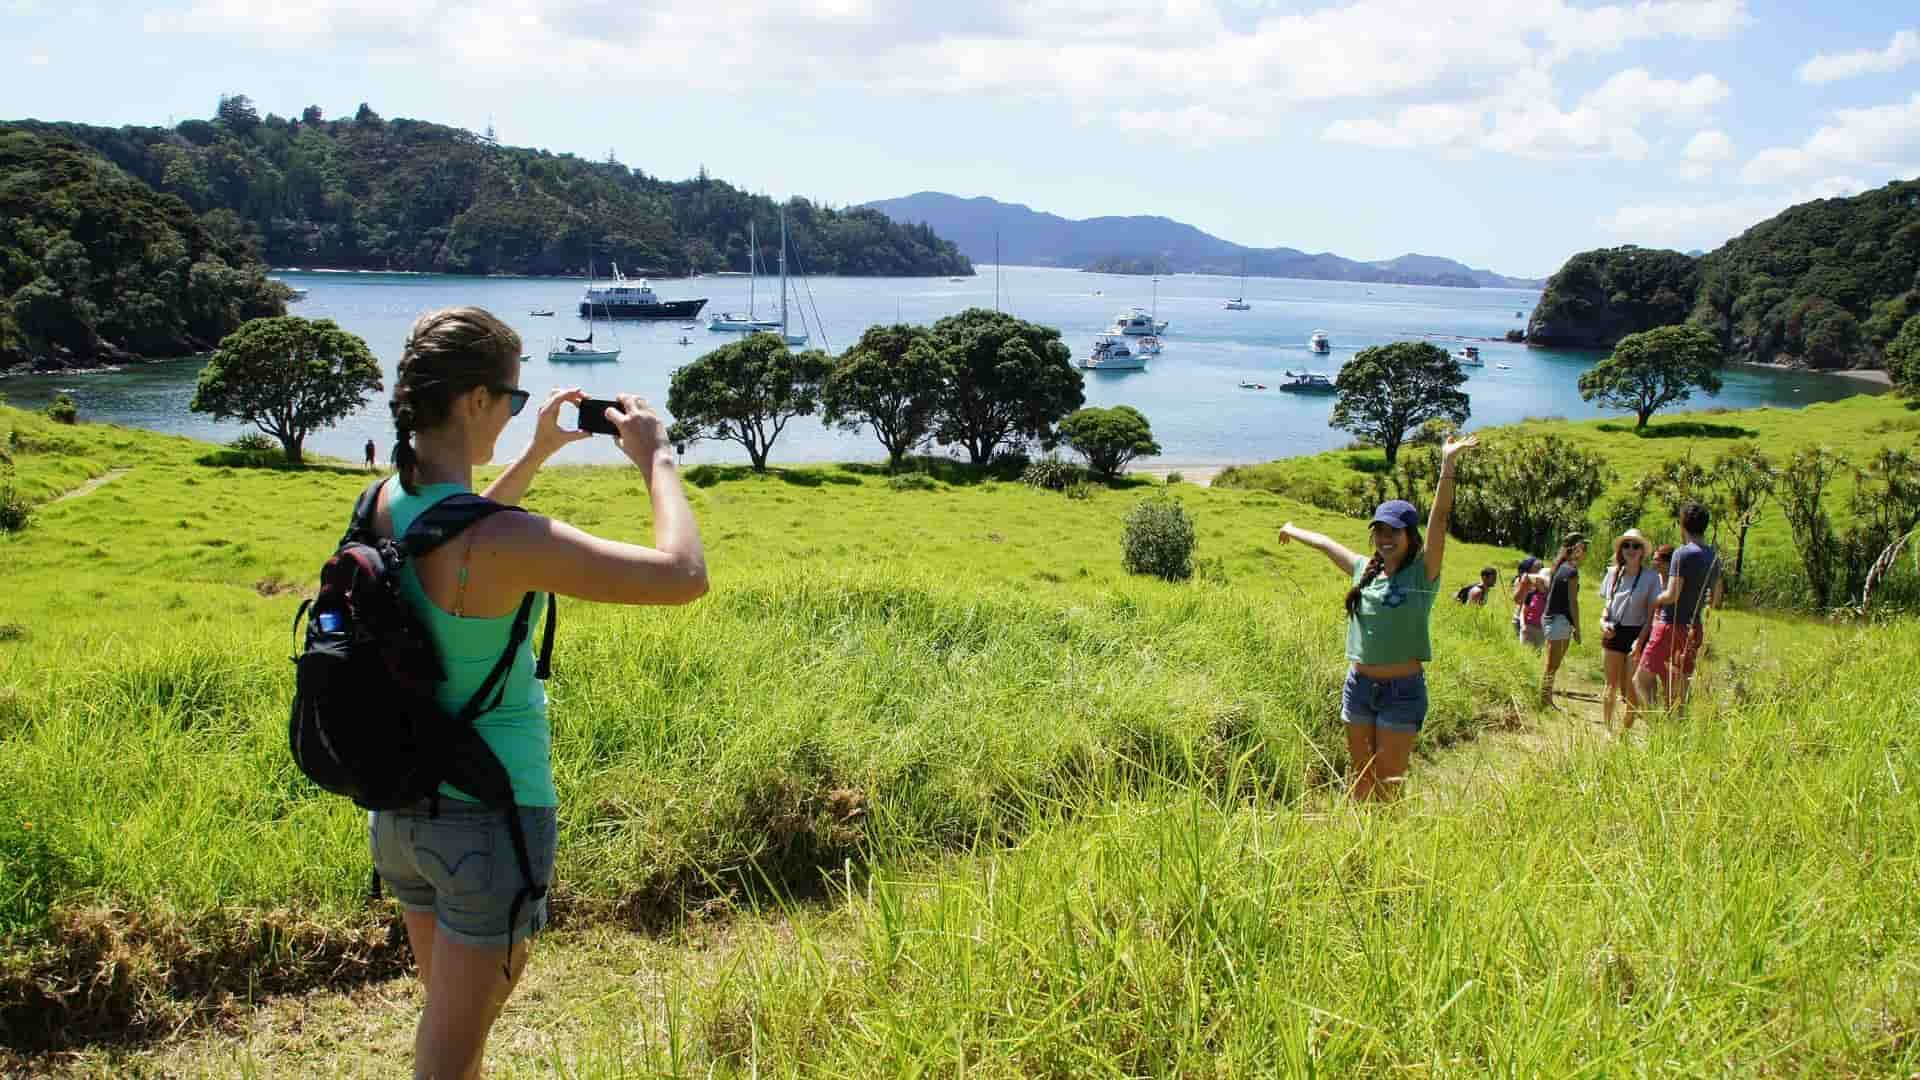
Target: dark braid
x,y
1377,566
448,353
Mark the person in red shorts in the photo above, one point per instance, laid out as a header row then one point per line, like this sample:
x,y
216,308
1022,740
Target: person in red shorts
x,y
1650,665
1693,583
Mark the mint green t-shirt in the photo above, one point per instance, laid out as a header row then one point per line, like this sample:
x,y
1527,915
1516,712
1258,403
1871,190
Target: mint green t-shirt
x,y
1391,624
516,730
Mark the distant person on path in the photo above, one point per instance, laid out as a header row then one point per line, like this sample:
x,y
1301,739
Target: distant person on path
x,y
1626,619
1563,609
1388,611
1650,675
1529,604
369,449
1692,586
450,861
1475,594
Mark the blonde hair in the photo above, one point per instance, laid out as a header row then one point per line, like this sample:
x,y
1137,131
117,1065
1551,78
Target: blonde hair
x,y
448,353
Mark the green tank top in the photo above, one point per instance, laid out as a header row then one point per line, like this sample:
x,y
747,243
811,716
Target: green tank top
x,y
517,728
1391,624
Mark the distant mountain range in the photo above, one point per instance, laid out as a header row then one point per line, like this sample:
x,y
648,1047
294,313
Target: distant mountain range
x,y
1028,237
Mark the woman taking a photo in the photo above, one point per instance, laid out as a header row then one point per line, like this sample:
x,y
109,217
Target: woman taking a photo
x,y
452,861
1628,591
1562,586
1529,604
1388,608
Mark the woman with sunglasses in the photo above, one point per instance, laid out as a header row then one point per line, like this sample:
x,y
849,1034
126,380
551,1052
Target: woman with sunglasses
x,y
1388,610
450,860
1628,591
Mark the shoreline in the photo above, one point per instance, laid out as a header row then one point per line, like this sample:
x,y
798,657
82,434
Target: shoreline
x,y
1872,376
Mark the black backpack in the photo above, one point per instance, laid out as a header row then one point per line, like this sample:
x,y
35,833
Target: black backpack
x,y
365,722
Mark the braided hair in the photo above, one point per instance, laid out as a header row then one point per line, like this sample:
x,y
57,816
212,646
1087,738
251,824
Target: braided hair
x,y
448,353
1377,566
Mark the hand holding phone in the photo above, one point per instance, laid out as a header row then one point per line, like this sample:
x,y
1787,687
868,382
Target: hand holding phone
x,y
593,416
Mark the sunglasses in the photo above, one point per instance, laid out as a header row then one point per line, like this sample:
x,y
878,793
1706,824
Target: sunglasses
x,y
1631,545
516,398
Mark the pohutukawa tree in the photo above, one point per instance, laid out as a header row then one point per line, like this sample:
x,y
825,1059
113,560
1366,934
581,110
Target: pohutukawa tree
x,y
1109,438
746,392
1653,369
289,377
1386,391
1008,381
891,380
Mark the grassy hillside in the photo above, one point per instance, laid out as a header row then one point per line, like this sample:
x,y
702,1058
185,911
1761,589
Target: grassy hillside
x,y
1031,816
1857,427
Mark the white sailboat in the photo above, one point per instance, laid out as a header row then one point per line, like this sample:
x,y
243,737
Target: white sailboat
x,y
785,335
583,350
1239,303
751,321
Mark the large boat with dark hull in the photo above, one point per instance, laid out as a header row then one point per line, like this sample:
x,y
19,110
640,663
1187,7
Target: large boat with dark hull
x,y
625,298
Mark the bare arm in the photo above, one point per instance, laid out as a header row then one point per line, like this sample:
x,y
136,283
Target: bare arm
x,y
1335,553
553,556
1573,607
548,437
1442,511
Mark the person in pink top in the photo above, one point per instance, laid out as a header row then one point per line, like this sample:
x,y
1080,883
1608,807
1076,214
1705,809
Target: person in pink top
x,y
1530,604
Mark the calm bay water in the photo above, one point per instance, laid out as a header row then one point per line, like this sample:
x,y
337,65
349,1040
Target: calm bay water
x,y
1190,393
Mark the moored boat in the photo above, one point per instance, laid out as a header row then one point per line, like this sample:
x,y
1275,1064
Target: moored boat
x,y
1137,322
1469,356
1319,343
1110,353
1307,382
626,298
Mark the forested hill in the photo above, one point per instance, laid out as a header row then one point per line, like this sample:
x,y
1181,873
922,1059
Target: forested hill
x,y
95,266
1826,284
369,193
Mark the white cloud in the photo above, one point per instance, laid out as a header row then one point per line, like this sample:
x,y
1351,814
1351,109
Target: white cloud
x,y
39,60
1636,92
1882,137
1415,127
1904,49
1707,225
1705,150
1213,67
1196,125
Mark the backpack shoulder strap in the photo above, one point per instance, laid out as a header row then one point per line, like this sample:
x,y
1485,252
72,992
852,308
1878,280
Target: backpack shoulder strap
x,y
447,519
360,526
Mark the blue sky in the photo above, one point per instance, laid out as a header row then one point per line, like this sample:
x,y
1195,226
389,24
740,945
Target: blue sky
x,y
1505,133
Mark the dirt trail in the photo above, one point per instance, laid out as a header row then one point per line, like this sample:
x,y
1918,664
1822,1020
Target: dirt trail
x,y
91,486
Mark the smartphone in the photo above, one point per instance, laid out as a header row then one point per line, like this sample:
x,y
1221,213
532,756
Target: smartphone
x,y
593,417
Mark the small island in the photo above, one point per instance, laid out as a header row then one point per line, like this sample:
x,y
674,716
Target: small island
x,y
1139,265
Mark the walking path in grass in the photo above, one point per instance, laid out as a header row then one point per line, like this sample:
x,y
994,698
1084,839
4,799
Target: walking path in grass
x,y
90,486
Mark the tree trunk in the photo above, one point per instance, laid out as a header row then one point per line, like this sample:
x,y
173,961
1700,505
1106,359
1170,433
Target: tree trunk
x,y
1645,413
291,444
1392,447
758,454
1740,552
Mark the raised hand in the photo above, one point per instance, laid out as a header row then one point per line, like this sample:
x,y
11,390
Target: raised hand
x,y
642,432
1454,446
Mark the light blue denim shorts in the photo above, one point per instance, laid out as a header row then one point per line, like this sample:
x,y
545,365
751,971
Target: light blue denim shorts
x,y
459,864
1391,704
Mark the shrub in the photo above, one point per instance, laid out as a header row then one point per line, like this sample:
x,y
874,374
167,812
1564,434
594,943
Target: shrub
x,y
1158,539
1516,336
252,442
62,410
1176,477
15,512
1051,473
1078,491
1434,432
1109,438
911,482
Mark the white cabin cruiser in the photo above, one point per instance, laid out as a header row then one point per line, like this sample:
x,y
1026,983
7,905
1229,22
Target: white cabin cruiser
x,y
1137,322
1110,353
1319,343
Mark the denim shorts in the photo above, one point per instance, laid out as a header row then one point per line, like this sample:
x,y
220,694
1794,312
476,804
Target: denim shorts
x,y
1559,628
1392,704
460,865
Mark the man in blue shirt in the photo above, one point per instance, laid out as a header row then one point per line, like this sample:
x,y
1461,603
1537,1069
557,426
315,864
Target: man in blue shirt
x,y
1692,585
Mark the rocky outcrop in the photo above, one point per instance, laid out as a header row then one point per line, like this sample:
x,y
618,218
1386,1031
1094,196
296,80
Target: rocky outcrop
x,y
1601,296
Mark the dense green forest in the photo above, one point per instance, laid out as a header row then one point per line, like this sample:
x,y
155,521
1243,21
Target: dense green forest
x,y
1129,264
368,193
95,266
1826,284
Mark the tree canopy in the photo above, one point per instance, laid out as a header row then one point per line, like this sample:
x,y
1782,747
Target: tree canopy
x,y
746,392
1386,391
1008,381
1109,438
288,377
1903,355
1653,369
890,380
378,194
94,265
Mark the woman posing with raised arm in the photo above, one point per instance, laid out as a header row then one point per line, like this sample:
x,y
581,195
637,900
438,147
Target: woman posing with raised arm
x,y
1388,607
454,863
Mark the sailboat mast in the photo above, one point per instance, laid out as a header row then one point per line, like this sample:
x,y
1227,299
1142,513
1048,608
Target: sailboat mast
x,y
753,256
783,273
996,269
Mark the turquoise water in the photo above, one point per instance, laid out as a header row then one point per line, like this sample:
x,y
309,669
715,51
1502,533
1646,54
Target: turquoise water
x,y
1190,393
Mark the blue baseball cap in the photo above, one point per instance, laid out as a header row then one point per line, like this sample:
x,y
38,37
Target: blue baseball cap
x,y
1529,564
1398,513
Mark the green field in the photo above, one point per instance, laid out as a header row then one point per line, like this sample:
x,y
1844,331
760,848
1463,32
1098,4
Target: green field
x,y
957,793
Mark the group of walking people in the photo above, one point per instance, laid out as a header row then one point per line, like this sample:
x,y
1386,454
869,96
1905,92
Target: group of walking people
x,y
1654,602
450,860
